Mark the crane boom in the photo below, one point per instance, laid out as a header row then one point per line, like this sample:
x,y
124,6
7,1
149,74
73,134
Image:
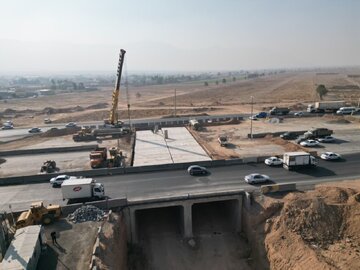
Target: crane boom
x,y
113,119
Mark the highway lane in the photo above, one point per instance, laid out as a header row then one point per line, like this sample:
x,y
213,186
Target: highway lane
x,y
178,182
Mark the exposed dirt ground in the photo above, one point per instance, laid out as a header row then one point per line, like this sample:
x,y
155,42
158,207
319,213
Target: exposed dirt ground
x,y
288,89
317,229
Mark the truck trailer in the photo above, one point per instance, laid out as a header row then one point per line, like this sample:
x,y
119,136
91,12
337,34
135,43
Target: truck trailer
x,y
296,160
325,106
279,111
82,188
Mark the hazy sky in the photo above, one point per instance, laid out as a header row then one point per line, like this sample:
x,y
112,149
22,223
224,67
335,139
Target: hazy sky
x,y
184,35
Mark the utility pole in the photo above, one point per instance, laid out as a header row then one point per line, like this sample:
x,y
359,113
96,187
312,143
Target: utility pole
x,y
175,102
251,118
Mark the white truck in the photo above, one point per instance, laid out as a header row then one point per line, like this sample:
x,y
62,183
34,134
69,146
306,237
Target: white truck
x,y
294,160
82,188
325,106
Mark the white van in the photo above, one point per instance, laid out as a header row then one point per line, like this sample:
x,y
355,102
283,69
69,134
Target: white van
x,y
346,110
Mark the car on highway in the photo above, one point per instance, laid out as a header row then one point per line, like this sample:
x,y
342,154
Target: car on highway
x,y
71,124
255,178
273,161
299,114
34,130
327,139
58,180
261,115
288,136
330,156
197,170
253,117
309,143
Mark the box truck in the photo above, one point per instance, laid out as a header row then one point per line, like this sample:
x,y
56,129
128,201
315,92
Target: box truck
x,y
325,106
82,188
295,160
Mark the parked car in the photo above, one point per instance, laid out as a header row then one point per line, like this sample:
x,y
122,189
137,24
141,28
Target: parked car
x,y
34,130
47,121
70,124
197,170
299,114
309,143
255,178
330,156
327,139
288,136
253,117
261,115
58,180
273,161
7,126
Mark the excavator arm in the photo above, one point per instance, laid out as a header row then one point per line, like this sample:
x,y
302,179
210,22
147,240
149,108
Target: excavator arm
x,y
113,119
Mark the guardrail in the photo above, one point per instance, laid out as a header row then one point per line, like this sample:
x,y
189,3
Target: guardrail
x,y
48,150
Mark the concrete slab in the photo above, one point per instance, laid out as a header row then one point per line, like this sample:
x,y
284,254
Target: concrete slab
x,y
152,149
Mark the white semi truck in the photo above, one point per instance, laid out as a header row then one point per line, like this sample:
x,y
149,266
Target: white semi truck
x,y
82,188
296,160
325,106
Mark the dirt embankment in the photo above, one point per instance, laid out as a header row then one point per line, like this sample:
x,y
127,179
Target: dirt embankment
x,y
317,229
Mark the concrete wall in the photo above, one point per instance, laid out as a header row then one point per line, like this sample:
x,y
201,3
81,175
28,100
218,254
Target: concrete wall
x,y
48,150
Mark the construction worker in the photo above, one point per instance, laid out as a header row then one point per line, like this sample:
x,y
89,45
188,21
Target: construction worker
x,y
53,237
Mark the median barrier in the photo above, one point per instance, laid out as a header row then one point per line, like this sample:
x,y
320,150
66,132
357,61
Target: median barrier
x,y
234,161
261,159
265,189
220,162
250,160
48,150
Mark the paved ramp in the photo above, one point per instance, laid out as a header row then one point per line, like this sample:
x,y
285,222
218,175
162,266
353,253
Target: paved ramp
x,y
180,146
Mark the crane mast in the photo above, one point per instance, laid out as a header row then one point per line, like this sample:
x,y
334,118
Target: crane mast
x,y
113,119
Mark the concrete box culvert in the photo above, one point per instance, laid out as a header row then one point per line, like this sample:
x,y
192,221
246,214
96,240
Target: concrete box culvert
x,y
155,222
216,217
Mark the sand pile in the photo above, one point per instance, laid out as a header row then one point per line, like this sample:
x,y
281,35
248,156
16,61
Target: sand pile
x,y
317,229
55,132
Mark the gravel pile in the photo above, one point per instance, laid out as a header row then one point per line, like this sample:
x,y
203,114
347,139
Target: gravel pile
x,y
87,213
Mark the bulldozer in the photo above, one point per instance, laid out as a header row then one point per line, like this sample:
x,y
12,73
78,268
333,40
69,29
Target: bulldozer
x,y
115,158
38,214
49,166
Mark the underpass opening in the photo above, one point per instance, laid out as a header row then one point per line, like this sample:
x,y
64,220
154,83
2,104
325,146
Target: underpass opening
x,y
216,217
155,222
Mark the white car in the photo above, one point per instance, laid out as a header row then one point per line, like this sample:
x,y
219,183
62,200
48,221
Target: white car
x,y
327,139
58,180
7,126
299,114
330,156
70,124
256,178
273,161
309,143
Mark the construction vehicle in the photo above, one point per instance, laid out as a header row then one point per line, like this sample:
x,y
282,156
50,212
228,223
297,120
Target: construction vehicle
x,y
49,166
38,214
115,158
223,140
194,124
98,157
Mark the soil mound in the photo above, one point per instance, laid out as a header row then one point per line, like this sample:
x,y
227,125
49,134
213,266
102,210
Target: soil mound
x,y
55,132
97,106
317,229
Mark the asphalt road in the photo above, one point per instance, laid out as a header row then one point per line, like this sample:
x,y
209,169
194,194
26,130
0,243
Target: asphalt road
x,y
178,182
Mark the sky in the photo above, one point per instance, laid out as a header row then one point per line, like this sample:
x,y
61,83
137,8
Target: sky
x,y
48,36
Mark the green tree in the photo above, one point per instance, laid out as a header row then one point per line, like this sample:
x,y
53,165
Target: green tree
x,y
224,80
206,84
321,90
217,82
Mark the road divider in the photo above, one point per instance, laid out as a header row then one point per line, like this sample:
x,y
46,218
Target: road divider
x,y
81,148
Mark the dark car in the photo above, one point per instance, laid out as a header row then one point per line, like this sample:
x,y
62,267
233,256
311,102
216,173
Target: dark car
x,y
261,115
197,170
288,136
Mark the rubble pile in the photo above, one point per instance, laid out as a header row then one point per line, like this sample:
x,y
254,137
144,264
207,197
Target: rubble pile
x,y
87,213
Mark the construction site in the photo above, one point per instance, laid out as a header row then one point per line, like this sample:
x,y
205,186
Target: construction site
x,y
121,191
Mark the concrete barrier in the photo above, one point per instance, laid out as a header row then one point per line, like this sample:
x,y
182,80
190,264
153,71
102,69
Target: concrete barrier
x,y
265,189
274,134
48,150
250,160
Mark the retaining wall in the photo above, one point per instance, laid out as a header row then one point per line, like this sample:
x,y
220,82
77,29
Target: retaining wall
x,y
48,150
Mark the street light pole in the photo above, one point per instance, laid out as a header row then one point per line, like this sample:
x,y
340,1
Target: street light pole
x,y
175,102
251,118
